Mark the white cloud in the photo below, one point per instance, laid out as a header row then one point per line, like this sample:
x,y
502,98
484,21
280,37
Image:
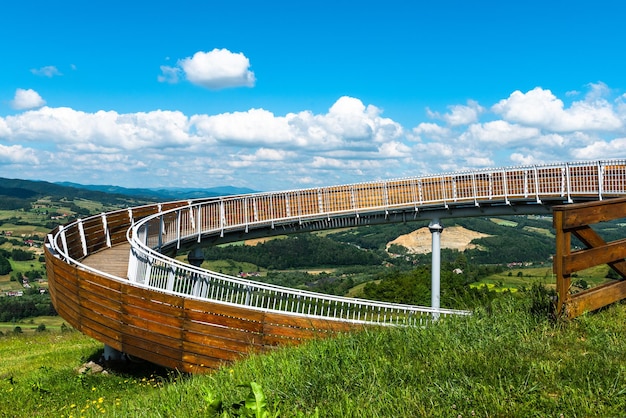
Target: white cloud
x,y
26,99
169,74
16,154
348,125
597,91
459,114
394,149
615,148
216,69
542,109
254,127
430,130
100,130
500,133
349,142
47,71
520,159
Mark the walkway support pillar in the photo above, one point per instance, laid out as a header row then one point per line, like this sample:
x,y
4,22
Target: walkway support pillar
x,y
435,230
196,257
111,354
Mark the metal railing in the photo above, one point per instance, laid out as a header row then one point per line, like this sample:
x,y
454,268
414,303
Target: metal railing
x,y
198,220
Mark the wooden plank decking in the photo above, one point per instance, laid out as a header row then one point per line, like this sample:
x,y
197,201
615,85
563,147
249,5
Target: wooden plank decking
x,y
112,260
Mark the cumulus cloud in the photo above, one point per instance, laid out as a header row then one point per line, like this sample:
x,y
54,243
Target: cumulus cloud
x,y
459,114
500,132
16,154
349,142
26,99
101,130
169,74
615,148
542,109
348,124
47,71
216,69
431,131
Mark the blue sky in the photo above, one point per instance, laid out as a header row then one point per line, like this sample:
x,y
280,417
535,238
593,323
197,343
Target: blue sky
x,y
280,95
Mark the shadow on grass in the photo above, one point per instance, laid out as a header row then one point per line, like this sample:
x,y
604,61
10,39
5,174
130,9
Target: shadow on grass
x,y
131,366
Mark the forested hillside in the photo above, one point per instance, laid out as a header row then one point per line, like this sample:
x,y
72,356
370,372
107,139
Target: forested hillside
x,y
21,194
351,261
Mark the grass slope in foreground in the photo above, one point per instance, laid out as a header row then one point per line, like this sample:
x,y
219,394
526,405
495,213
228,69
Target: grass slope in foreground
x,y
502,361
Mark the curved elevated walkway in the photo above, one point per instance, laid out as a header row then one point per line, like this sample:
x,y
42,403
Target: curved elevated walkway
x,y
110,277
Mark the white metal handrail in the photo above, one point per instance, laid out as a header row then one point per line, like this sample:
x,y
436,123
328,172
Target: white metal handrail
x,y
526,185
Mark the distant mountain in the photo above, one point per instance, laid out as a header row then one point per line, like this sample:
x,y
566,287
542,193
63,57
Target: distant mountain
x,y
16,193
164,194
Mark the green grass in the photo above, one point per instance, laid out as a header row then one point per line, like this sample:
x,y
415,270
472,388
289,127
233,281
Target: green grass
x,y
504,222
499,362
29,326
541,231
518,278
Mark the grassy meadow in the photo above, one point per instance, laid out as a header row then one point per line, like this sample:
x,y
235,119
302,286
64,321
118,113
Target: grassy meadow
x,y
508,360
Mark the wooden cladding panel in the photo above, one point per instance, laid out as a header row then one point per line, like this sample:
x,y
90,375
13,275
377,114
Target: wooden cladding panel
x,y
173,205
550,181
166,353
95,235
279,206
74,243
308,203
584,179
187,334
234,211
614,179
401,192
234,317
106,333
223,338
143,211
282,328
211,348
463,188
194,363
343,198
118,224
516,182
431,190
370,195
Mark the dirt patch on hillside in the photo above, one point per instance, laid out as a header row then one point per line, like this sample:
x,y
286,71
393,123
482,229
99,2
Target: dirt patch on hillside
x,y
454,237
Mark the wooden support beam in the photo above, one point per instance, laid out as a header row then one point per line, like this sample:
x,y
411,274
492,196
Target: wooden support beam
x,y
575,220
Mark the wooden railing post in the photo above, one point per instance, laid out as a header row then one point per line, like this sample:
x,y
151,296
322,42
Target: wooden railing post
x,y
576,220
563,249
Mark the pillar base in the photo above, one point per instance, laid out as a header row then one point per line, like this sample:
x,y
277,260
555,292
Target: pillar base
x,y
111,354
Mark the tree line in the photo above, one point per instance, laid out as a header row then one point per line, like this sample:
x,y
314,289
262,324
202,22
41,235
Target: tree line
x,y
298,251
31,304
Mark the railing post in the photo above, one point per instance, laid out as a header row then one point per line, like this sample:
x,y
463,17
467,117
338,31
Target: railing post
x,y
600,180
435,230
105,227
563,249
83,239
161,230
178,227
568,183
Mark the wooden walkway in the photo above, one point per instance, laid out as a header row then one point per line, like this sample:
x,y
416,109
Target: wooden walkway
x,y
112,260
160,313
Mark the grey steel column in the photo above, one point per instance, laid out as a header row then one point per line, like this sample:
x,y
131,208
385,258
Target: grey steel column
x,y
435,230
196,257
